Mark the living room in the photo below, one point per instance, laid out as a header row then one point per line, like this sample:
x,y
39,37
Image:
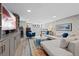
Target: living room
x,y
39,29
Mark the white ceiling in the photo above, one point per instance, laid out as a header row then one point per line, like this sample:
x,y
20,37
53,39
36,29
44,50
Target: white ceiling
x,y
43,12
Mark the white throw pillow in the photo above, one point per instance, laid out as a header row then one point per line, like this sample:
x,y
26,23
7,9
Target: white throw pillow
x,y
63,43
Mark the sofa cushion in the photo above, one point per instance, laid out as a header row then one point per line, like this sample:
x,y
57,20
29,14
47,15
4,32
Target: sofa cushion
x,y
54,50
55,43
73,47
65,42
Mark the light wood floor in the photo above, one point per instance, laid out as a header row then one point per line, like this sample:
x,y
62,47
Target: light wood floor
x,y
24,49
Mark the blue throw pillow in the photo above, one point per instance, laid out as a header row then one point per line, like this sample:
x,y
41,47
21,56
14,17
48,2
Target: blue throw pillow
x,y
37,42
65,35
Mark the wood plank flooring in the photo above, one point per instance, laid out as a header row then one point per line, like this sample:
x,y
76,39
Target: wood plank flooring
x,y
24,49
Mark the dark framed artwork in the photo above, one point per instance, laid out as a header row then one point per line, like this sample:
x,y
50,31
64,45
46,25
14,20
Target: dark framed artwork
x,y
64,27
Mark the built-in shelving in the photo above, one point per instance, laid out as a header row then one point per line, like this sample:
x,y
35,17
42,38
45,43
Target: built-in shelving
x,y
8,42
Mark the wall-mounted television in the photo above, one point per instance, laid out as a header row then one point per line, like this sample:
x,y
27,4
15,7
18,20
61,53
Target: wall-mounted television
x,y
8,20
8,24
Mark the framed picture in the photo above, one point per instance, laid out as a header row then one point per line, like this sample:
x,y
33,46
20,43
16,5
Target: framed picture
x,y
64,27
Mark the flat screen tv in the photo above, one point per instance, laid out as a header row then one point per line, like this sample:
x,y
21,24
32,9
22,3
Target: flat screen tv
x,y
8,20
8,24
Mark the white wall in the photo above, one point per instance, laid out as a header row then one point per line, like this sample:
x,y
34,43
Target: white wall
x,y
35,28
75,25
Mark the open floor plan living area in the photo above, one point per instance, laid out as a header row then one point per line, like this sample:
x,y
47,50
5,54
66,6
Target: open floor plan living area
x,y
39,29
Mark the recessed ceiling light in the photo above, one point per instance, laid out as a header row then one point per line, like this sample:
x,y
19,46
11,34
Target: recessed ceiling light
x,y
54,16
28,10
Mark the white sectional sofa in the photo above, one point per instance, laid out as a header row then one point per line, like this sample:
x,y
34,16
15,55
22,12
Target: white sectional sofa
x,y
73,47
53,47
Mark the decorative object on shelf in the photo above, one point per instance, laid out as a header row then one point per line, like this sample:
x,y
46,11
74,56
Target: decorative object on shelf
x,y
64,27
